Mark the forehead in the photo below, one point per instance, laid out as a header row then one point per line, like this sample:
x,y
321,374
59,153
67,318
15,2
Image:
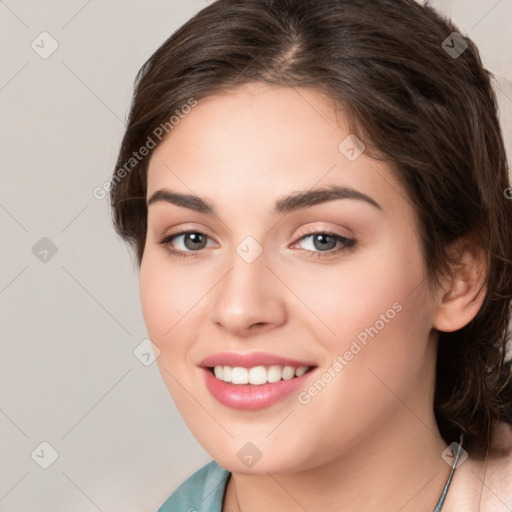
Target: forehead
x,y
247,119
262,140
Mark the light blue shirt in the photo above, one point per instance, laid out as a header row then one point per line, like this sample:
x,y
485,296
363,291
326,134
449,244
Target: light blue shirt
x,y
201,492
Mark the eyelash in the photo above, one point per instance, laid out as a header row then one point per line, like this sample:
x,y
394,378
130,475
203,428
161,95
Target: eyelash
x,y
348,244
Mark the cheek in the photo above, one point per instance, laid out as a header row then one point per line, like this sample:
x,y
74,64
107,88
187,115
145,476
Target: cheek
x,y
172,309
162,306
351,297
155,300
382,325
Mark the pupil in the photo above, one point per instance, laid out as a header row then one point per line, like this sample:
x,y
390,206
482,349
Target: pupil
x,y
195,239
322,239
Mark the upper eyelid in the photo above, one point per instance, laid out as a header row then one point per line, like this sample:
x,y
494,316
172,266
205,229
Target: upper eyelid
x,y
331,231
309,231
187,229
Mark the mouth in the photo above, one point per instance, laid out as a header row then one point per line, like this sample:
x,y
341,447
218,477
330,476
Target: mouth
x,y
254,381
257,375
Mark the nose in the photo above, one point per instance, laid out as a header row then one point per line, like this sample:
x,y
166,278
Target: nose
x,y
249,298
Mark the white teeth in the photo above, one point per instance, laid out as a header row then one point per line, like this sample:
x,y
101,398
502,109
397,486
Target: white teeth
x,y
240,375
301,371
274,374
257,375
288,372
226,373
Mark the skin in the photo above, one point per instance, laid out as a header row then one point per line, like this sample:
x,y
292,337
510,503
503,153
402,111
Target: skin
x,y
372,426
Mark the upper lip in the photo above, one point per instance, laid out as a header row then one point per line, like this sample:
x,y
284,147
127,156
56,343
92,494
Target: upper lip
x,y
250,360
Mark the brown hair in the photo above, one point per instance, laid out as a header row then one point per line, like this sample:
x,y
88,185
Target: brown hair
x,y
431,114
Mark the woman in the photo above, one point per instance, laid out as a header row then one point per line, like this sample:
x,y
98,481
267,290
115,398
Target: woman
x,y
316,194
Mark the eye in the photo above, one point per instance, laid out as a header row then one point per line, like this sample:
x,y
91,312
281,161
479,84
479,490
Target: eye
x,y
325,243
186,242
318,244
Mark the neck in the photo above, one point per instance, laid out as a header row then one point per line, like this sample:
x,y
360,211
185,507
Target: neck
x,y
397,466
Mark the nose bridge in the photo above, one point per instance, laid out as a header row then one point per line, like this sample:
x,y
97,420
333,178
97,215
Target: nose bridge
x,y
248,271
247,295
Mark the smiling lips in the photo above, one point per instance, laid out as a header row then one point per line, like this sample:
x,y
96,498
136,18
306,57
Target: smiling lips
x,y
253,381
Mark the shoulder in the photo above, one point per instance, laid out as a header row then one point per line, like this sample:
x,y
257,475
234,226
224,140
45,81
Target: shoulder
x,y
201,492
498,477
485,485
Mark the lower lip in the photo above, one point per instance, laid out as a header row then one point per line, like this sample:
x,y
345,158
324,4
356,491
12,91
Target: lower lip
x,y
251,397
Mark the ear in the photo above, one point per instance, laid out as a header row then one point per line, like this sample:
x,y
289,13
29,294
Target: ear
x,y
462,293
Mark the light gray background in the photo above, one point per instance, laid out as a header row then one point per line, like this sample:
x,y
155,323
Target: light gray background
x,y
69,326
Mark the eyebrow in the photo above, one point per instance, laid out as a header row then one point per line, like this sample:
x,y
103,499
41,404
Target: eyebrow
x,y
293,202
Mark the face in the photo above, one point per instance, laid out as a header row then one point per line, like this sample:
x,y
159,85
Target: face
x,y
273,249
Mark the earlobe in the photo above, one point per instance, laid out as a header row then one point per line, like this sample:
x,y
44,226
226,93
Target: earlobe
x,y
463,292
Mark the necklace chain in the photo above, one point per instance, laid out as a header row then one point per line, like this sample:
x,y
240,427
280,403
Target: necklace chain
x,y
440,502
236,496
